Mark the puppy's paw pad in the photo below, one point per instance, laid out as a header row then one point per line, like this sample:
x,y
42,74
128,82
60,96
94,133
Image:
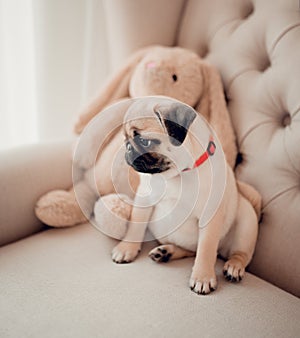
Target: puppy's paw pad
x,y
233,271
203,286
125,252
160,254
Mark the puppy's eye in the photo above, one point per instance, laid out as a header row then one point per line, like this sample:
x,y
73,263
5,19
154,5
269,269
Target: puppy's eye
x,y
145,142
174,77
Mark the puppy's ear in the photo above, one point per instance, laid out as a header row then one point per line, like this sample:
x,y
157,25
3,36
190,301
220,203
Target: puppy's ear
x,y
176,119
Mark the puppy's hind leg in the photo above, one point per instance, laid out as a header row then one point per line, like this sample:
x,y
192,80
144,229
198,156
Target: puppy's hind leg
x,y
166,252
241,240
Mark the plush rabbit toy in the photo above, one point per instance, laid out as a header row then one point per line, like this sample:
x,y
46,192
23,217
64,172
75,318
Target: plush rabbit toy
x,y
156,70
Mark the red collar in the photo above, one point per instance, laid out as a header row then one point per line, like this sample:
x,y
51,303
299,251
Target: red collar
x,y
210,150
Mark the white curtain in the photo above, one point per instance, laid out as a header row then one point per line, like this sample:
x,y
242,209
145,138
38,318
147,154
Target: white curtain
x,y
53,58
18,111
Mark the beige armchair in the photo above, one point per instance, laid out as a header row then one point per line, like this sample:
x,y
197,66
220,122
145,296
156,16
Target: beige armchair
x,y
62,282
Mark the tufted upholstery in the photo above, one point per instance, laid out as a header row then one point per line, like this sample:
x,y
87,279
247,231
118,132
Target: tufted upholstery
x,y
256,47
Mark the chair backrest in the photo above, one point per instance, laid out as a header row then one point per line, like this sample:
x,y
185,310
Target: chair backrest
x,y
256,47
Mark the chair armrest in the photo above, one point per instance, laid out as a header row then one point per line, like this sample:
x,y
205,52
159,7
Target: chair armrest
x,y
26,173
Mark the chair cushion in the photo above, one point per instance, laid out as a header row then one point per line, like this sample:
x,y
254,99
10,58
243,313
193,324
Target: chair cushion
x,y
255,45
62,283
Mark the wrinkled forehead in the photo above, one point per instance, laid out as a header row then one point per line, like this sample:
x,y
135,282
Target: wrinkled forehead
x,y
146,107
141,116
141,108
142,125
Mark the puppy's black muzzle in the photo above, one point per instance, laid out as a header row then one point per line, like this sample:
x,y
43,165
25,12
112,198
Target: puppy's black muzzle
x,y
145,162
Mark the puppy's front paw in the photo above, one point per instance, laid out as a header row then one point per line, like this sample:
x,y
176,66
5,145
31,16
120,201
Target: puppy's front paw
x,y
202,283
125,252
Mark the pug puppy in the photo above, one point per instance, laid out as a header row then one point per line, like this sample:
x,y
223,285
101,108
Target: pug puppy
x,y
187,195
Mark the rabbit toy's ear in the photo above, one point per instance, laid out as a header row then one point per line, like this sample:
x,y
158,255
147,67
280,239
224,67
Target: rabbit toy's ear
x,y
212,98
116,88
212,106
